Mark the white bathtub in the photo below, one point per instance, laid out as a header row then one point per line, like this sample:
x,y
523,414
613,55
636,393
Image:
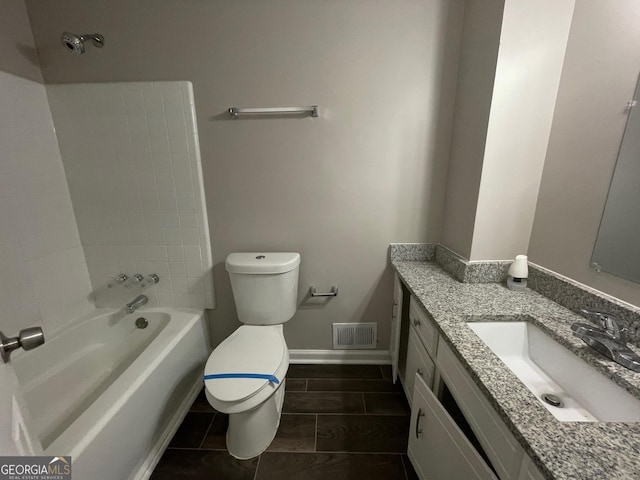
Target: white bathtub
x,y
111,395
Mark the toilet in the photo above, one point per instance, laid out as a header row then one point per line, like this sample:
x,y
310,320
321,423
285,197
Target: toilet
x,y
245,374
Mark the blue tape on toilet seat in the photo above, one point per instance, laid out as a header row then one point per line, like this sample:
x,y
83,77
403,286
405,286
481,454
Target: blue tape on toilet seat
x,y
262,376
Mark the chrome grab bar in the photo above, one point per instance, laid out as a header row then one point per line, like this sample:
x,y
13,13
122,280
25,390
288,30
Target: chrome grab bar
x,y
332,293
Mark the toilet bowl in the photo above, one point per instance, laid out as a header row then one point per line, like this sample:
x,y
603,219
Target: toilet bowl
x,y
253,404
245,374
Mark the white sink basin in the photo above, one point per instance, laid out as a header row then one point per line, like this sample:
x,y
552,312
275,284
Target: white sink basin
x,y
545,366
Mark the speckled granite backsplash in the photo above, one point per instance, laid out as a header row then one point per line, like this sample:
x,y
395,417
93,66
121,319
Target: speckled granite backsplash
x,y
421,252
562,290
460,269
574,296
471,272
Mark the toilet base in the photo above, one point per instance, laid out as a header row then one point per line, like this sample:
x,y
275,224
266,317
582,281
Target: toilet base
x,y
250,433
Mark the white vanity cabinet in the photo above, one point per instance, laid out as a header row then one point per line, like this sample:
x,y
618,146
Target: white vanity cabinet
x,y
503,450
421,350
455,433
529,471
437,448
396,327
419,365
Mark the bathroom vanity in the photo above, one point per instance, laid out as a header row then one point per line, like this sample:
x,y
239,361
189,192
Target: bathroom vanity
x,y
471,416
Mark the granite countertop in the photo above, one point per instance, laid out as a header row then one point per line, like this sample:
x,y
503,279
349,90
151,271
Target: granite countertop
x,y
561,450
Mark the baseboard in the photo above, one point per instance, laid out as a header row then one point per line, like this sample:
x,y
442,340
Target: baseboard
x,y
355,357
149,464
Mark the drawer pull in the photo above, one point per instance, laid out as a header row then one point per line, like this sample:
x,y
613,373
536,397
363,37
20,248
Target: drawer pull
x,y
418,429
420,372
416,322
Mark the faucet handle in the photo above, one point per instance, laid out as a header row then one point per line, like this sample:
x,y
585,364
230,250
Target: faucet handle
x,y
135,279
119,280
149,280
610,323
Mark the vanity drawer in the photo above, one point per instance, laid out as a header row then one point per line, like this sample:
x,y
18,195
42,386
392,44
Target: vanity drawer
x,y
418,363
501,447
425,328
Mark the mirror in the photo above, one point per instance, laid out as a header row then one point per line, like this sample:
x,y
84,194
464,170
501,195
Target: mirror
x,y
617,248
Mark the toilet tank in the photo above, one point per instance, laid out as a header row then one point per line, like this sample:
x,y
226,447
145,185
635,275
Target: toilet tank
x,y
265,286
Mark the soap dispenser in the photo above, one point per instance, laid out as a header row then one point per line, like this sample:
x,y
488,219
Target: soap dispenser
x,y
518,273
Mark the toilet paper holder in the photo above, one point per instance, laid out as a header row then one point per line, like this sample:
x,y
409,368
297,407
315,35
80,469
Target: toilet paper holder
x,y
332,293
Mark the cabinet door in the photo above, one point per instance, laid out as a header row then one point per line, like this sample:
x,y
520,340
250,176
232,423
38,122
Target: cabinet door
x,y
396,320
437,448
424,326
418,363
503,450
530,471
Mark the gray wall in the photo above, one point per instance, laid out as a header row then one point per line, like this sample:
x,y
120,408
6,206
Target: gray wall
x,y
337,189
478,57
17,48
599,76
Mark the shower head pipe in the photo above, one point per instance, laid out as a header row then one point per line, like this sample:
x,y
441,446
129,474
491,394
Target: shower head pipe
x,y
75,43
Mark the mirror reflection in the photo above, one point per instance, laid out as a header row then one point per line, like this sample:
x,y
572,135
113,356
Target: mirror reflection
x,y
617,248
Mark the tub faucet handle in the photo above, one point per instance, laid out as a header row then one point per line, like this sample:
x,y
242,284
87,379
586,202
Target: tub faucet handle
x,y
119,280
28,339
135,280
149,280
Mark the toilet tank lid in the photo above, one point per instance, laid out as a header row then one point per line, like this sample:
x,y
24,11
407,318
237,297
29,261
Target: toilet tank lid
x,y
262,262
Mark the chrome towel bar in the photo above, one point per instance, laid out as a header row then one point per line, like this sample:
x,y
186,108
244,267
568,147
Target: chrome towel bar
x,y
332,293
235,111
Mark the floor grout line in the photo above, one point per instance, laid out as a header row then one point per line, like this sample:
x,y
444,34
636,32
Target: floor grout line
x,y
344,452
404,467
408,414
345,391
255,475
208,428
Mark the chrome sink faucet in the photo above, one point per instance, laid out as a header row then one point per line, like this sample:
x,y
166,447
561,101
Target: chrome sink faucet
x,y
136,303
610,339
609,324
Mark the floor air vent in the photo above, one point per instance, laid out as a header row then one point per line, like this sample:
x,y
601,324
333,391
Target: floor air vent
x,y
347,336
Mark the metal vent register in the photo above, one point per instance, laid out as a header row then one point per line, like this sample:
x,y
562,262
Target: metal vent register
x,y
347,336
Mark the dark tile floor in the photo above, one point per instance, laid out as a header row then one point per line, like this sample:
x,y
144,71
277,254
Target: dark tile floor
x,y
339,422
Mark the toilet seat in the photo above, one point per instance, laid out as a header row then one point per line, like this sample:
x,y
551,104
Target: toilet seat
x,y
259,349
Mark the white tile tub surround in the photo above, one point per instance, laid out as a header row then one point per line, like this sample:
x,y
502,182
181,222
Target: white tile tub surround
x,y
131,154
43,274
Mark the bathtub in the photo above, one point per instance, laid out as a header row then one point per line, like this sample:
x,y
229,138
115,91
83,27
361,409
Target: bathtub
x,y
110,394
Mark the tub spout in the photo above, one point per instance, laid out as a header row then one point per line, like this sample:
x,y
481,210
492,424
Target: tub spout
x,y
136,303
